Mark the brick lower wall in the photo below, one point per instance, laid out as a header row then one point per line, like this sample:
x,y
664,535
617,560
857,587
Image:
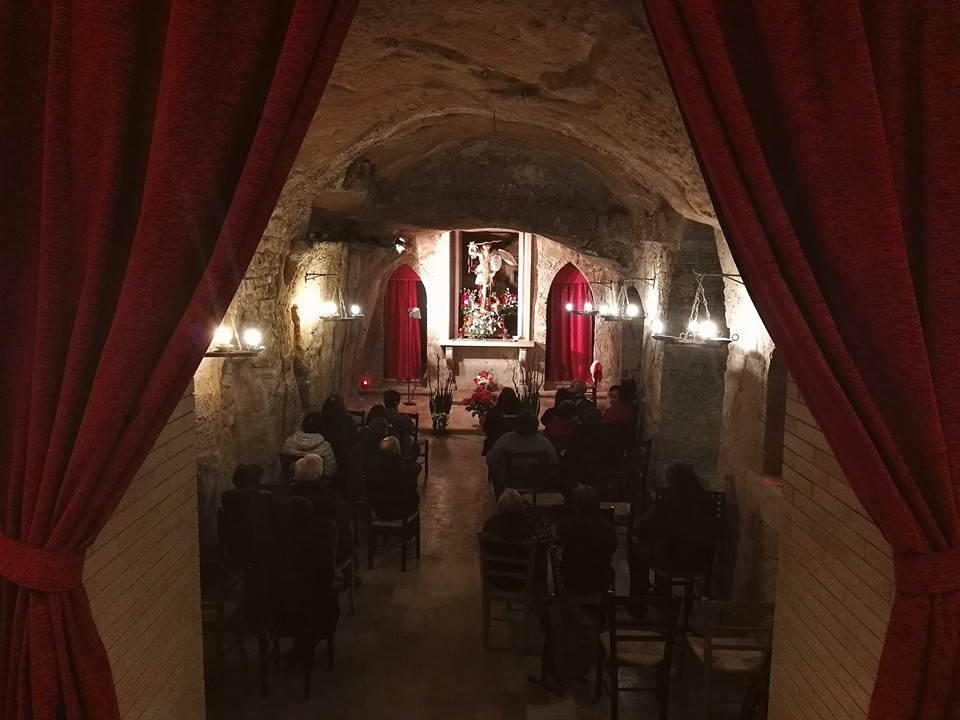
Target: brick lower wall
x,y
834,584
143,579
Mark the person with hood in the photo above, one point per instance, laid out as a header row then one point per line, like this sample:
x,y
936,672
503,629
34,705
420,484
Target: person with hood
x,y
309,441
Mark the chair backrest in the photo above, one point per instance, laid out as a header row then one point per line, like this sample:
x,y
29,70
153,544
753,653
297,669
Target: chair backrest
x,y
361,415
415,417
687,543
647,619
504,564
741,626
297,594
523,470
286,466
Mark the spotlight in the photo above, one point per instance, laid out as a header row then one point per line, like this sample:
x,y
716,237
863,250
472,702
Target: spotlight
x,y
400,245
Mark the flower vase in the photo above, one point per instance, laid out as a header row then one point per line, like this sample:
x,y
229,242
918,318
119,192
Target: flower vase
x,y
441,423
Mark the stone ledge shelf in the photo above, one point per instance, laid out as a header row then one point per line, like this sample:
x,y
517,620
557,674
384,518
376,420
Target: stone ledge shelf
x,y
467,342
508,351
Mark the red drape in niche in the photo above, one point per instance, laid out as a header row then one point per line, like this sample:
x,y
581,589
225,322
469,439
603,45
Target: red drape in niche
x,y
144,147
401,333
569,337
831,148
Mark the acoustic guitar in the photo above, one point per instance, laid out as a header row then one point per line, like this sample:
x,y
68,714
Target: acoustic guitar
x,y
569,646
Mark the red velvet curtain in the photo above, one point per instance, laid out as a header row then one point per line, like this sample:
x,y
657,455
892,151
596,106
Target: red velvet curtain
x,y
402,354
144,147
829,135
569,337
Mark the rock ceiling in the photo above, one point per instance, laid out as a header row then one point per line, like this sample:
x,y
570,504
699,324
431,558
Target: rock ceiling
x,y
548,115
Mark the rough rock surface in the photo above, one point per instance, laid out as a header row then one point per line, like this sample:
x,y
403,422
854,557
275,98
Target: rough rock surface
x,y
553,117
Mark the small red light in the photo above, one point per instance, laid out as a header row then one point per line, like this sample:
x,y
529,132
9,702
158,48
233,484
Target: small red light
x,y
365,382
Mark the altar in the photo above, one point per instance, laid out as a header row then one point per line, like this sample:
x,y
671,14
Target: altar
x,y
467,358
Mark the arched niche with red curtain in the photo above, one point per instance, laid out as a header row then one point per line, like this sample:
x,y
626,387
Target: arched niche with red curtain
x,y
569,336
404,337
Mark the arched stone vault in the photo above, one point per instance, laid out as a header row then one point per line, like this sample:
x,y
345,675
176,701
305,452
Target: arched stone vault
x,y
553,117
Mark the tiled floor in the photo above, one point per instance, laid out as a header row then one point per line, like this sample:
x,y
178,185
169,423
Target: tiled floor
x,y
413,650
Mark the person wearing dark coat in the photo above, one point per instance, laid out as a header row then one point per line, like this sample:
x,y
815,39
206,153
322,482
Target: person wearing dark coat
x,y
513,524
392,478
501,418
311,483
589,542
339,428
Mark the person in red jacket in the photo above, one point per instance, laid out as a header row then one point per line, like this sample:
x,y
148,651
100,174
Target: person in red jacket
x,y
616,413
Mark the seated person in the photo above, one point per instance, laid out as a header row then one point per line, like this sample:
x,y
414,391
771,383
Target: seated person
x,y
525,440
247,476
312,484
589,542
393,479
561,395
402,423
249,516
616,413
593,446
513,524
338,427
578,392
309,440
501,418
675,529
362,455
563,424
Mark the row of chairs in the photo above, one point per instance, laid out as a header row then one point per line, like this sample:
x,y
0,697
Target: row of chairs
x,y
633,632
246,587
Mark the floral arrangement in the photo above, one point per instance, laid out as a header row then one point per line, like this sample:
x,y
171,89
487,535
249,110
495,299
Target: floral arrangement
x,y
480,402
528,381
485,381
481,317
440,420
508,303
441,391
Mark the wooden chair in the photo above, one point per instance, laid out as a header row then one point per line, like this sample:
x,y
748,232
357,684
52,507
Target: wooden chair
x,y
406,527
737,640
508,575
421,444
527,473
639,634
686,556
286,467
361,415
345,567
294,594
632,504
222,600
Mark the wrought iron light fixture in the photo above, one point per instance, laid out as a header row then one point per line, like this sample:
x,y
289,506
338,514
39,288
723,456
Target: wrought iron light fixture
x,y
229,342
698,332
335,309
620,309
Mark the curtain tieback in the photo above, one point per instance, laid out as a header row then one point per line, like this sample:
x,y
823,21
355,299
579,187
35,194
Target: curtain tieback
x,y
37,569
930,574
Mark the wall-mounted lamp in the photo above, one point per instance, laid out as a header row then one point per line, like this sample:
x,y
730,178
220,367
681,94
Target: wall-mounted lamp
x,y
333,309
228,342
618,307
400,245
698,332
